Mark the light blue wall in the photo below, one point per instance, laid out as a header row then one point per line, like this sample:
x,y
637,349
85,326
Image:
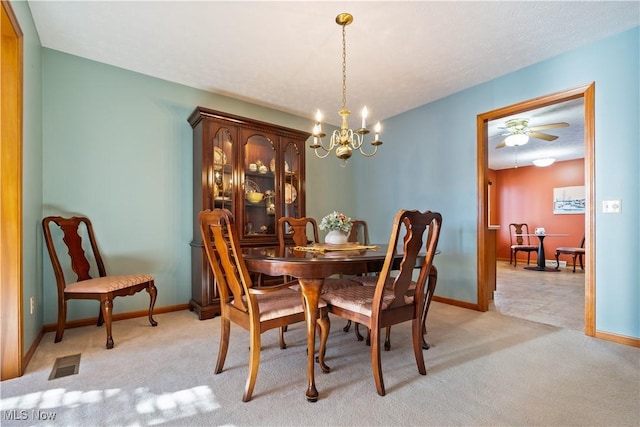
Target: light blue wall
x,y
31,175
429,162
117,147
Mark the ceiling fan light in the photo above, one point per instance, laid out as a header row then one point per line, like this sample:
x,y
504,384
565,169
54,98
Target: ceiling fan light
x,y
547,161
516,139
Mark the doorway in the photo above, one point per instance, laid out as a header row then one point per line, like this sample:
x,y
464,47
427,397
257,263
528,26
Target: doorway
x,y
485,260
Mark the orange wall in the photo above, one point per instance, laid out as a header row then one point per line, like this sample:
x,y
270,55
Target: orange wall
x,y
525,194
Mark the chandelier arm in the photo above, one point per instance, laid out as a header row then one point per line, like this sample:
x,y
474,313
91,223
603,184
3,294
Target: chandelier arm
x,y
357,140
375,150
320,144
326,152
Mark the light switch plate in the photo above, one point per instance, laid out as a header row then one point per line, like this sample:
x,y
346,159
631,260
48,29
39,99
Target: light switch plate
x,y
611,206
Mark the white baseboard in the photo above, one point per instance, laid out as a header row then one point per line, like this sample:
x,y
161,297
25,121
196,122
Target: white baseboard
x,y
552,263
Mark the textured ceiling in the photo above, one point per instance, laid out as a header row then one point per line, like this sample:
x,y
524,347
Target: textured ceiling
x,y
287,55
569,145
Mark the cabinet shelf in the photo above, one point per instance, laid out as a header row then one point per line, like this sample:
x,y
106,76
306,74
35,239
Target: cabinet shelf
x,y
254,174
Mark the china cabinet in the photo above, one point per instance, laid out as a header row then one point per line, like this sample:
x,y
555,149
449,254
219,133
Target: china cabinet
x,y
254,169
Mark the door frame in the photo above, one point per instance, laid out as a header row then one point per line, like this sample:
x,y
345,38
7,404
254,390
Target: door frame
x,y
587,93
11,59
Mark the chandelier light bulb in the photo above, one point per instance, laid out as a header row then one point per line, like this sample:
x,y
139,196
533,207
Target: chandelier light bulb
x,y
377,128
364,117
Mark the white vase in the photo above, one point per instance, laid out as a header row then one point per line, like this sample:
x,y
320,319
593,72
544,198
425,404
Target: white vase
x,y
336,237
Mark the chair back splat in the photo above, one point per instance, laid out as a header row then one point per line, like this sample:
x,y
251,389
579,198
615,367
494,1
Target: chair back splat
x,y
298,230
359,232
103,288
395,299
254,308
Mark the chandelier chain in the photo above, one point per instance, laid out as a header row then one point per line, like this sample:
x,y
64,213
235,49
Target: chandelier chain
x,y
344,66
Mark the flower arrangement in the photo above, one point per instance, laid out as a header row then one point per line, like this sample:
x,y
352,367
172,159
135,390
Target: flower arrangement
x,y
336,221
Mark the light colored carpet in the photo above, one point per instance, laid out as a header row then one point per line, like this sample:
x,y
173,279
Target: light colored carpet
x,y
484,369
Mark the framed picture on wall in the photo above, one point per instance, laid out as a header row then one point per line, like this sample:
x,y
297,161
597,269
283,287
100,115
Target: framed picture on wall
x,y
568,200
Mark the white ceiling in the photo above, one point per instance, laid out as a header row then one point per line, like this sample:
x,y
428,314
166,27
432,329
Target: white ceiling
x,y
287,55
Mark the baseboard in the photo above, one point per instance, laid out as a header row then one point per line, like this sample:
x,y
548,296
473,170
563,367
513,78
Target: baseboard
x,y
548,262
120,316
553,263
457,303
32,349
620,339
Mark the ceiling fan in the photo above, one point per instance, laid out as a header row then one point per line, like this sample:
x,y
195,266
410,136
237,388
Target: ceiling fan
x,y
519,132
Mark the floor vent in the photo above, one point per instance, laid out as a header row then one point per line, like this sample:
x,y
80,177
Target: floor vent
x,y
65,366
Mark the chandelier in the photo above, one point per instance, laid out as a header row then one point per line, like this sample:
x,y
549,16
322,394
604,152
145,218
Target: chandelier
x,y
345,140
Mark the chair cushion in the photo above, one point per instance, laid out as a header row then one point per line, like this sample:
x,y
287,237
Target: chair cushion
x,y
101,285
332,284
281,303
570,250
360,298
373,281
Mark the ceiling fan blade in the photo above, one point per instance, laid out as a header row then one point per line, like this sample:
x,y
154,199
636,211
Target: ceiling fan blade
x,y
549,126
544,136
502,144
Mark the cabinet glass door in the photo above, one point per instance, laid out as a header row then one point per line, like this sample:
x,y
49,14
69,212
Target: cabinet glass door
x,y
292,179
259,186
221,176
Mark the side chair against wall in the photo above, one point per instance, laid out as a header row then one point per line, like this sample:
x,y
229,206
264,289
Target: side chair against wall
x,y
254,308
520,242
103,288
574,252
394,299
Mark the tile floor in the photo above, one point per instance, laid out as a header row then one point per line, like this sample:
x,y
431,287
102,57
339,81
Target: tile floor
x,y
553,298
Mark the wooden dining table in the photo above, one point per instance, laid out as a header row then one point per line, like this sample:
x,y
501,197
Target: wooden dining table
x,y
311,267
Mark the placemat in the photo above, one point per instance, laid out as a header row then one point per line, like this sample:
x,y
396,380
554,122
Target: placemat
x,y
323,247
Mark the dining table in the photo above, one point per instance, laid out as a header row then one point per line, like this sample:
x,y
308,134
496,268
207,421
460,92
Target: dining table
x,y
541,265
311,265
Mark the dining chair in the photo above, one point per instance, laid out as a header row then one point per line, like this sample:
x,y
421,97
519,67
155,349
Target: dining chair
x,y
298,230
254,308
520,242
394,299
103,288
574,252
359,233
303,231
